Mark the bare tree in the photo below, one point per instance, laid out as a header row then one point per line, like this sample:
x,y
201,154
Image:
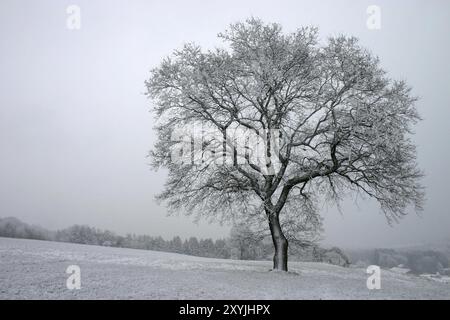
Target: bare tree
x,y
341,125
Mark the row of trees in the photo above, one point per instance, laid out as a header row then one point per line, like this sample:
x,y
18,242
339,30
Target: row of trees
x,y
14,228
418,260
243,243
83,234
219,248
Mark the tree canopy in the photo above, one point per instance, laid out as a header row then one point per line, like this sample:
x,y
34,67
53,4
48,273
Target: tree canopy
x,y
340,123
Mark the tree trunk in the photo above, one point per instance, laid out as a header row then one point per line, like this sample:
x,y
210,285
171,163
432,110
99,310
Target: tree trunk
x,y
280,258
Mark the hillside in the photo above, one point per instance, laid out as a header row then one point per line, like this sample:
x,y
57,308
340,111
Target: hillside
x,y
33,269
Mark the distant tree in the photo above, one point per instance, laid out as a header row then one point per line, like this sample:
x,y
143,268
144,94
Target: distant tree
x,y
120,241
107,238
327,119
78,234
191,246
159,244
176,245
221,249
427,261
206,247
14,228
8,230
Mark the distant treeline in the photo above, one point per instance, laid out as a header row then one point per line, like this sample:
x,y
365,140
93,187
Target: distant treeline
x,y
418,261
82,234
242,243
14,228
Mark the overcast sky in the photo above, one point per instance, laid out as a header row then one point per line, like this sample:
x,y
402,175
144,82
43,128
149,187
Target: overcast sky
x,y
75,127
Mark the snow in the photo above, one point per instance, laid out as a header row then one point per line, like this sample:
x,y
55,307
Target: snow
x,y
31,269
400,270
438,278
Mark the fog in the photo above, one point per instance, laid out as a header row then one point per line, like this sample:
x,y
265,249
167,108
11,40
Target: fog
x,y
75,127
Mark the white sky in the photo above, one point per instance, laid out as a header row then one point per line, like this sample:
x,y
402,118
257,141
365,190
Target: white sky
x,y
75,127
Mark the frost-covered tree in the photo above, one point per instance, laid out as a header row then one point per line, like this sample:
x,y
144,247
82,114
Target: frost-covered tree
x,y
327,116
176,244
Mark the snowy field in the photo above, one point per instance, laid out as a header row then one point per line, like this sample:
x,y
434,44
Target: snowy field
x,y
32,269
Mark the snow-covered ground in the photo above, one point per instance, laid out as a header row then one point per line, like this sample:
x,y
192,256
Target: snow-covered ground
x,y
32,269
